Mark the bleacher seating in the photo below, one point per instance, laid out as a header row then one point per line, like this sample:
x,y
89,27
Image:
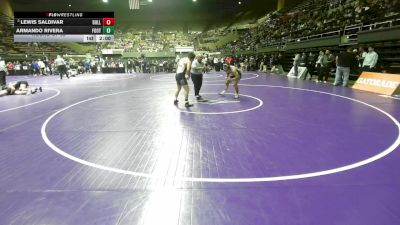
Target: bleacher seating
x,y
323,17
149,41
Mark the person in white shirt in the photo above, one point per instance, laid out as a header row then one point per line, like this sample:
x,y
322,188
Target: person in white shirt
x,y
216,62
370,60
296,63
177,59
361,56
61,66
3,72
182,74
318,65
197,69
42,67
205,60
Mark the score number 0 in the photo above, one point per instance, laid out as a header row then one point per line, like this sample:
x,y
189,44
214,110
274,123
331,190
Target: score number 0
x,y
108,21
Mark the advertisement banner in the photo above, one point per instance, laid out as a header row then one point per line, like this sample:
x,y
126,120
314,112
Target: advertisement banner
x,y
381,83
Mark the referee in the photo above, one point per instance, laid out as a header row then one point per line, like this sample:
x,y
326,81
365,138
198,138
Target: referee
x,y
61,67
196,71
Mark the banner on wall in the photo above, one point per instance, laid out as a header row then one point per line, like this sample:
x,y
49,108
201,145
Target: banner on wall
x,y
381,83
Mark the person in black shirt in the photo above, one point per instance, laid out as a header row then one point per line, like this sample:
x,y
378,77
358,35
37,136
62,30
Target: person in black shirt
x,y
311,60
344,61
277,65
303,59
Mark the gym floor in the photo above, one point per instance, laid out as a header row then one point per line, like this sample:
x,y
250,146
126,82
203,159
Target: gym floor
x,y
113,149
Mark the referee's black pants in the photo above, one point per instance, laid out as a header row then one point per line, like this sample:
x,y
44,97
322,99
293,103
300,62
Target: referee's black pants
x,y
197,82
62,69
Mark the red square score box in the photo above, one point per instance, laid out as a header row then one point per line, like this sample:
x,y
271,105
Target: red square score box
x,y
108,21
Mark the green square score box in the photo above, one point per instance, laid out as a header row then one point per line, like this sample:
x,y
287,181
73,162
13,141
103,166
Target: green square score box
x,y
108,30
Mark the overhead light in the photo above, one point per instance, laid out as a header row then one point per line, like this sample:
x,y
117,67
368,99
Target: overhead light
x,y
69,5
239,3
105,1
194,0
150,0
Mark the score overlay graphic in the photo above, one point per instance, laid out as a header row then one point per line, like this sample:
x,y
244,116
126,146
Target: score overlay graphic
x,y
64,26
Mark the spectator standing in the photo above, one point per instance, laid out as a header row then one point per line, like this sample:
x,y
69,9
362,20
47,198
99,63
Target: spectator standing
x,y
216,64
296,62
303,60
229,60
10,68
310,64
45,59
42,67
50,66
319,65
177,58
129,66
35,68
25,67
264,62
327,63
269,61
87,66
137,65
344,61
361,56
261,63
17,68
370,61
3,72
277,65
252,63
